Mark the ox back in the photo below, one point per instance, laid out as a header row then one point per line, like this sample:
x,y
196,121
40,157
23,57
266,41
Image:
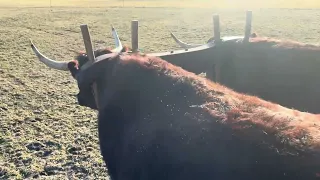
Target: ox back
x,y
285,74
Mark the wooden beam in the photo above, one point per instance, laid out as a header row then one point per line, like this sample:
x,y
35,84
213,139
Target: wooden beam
x,y
89,50
87,42
216,28
247,32
134,35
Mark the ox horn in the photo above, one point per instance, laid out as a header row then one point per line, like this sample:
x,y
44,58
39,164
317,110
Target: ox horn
x,y
49,62
116,40
183,44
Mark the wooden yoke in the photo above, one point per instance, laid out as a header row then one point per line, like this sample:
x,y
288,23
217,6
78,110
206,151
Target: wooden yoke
x,y
88,45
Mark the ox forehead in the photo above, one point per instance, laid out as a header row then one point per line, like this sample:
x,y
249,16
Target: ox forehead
x,y
84,62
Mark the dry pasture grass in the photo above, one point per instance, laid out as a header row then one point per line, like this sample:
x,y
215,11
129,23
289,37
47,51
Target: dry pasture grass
x,y
43,132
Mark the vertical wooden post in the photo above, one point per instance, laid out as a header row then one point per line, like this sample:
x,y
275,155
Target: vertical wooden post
x,y
89,50
247,32
87,42
216,28
217,40
134,35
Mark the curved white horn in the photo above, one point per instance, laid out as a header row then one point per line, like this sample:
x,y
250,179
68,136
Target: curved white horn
x,y
183,44
116,40
49,62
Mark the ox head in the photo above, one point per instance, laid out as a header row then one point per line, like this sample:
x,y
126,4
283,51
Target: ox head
x,y
80,64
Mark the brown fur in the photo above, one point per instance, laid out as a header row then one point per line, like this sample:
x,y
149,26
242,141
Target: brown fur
x,y
271,118
287,44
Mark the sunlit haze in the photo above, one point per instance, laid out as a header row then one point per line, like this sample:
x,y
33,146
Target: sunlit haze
x,y
166,3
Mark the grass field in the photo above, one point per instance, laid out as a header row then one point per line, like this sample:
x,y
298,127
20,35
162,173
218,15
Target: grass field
x,y
43,132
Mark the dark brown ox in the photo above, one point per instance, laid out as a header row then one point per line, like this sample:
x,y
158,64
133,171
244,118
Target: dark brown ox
x,y
158,121
280,71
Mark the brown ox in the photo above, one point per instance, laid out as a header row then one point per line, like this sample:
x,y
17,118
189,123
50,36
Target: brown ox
x,y
280,71
157,121
284,72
